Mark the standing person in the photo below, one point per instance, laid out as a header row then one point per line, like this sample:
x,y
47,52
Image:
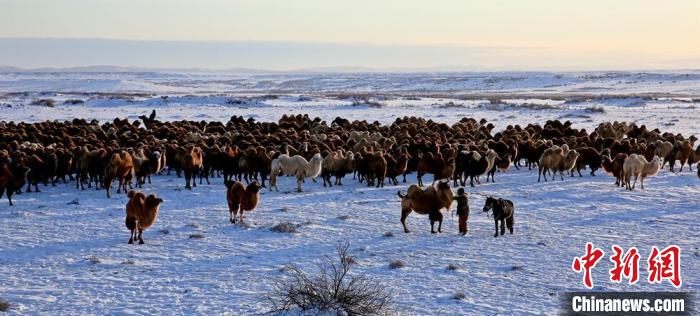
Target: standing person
x,y
462,210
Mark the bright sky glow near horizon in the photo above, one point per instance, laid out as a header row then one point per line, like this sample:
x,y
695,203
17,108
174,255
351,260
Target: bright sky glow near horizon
x,y
507,34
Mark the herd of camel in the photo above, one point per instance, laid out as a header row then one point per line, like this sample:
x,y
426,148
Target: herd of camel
x,y
95,155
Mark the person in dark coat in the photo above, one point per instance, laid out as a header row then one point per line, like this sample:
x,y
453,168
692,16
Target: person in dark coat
x,y
462,210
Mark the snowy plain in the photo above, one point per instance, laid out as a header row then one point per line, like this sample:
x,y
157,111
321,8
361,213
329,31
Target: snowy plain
x,y
64,251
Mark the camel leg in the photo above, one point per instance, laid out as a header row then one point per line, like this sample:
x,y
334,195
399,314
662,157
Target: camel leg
x,y
241,215
503,227
131,237
299,181
404,215
262,180
141,242
2,191
642,182
432,226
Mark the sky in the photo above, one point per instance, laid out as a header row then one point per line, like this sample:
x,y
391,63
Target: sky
x,y
388,34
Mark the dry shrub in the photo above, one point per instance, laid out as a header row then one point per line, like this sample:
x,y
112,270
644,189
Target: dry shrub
x,y
196,236
4,305
285,227
94,260
73,101
595,109
396,264
44,102
288,227
367,102
331,291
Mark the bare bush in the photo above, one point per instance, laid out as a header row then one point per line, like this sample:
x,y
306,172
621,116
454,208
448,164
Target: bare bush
x,y
459,296
388,234
289,227
196,236
285,227
396,264
367,102
4,305
595,109
73,101
452,267
44,102
94,260
331,290
450,104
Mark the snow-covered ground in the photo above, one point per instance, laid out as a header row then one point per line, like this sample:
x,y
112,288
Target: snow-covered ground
x,y
686,82
63,257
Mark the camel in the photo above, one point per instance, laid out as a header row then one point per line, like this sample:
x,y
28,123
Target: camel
x,y
241,198
120,167
637,166
141,213
297,166
430,202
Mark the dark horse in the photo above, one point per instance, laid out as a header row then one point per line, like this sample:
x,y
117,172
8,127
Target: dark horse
x,y
502,211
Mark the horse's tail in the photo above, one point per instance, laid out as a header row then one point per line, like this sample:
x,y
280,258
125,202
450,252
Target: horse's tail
x,y
510,207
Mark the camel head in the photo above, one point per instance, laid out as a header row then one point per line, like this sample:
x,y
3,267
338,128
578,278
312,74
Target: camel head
x,y
253,187
316,158
153,201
